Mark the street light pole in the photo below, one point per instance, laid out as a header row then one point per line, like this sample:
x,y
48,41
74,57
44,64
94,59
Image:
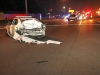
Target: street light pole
x,y
51,8
64,9
26,7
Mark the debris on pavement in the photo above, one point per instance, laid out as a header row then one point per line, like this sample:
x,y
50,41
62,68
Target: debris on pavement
x,y
28,40
53,42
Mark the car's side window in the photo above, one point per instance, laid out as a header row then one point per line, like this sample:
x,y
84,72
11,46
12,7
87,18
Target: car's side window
x,y
14,22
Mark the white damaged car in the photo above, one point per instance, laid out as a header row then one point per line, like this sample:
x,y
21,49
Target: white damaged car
x,y
27,26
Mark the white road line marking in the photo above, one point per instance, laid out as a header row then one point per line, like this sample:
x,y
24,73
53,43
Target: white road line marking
x,y
97,21
72,24
2,28
61,25
55,25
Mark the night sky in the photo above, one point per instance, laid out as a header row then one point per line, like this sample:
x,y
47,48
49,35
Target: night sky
x,y
43,6
84,4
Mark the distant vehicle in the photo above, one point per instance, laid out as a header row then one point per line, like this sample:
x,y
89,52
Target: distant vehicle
x,y
81,17
72,17
88,14
26,26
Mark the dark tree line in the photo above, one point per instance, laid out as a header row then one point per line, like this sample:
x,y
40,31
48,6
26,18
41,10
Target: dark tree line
x,y
34,6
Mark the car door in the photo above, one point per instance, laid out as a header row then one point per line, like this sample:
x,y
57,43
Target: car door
x,y
12,26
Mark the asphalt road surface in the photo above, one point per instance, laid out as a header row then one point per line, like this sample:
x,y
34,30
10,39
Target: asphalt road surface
x,y
77,55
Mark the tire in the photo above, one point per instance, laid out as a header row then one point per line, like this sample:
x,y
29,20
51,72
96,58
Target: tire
x,y
41,36
6,33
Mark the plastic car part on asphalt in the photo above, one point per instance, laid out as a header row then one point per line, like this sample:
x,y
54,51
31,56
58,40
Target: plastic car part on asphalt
x,y
28,40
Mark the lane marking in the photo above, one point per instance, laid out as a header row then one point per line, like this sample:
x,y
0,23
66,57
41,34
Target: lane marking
x,y
2,28
72,24
56,25
62,25
97,21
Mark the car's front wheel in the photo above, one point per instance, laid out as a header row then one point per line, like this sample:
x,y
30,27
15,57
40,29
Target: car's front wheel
x,y
41,36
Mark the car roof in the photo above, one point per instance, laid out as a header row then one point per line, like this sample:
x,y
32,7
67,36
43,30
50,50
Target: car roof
x,y
23,17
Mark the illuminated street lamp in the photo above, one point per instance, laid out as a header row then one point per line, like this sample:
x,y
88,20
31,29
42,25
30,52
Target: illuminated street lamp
x,y
69,8
64,7
26,7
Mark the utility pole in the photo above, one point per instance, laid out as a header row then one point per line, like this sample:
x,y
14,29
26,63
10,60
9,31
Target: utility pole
x,y
64,8
26,7
51,8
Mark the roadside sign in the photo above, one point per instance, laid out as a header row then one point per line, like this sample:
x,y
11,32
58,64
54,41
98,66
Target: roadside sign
x,y
71,11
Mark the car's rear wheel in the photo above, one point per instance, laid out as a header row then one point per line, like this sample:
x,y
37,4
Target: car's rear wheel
x,y
6,33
